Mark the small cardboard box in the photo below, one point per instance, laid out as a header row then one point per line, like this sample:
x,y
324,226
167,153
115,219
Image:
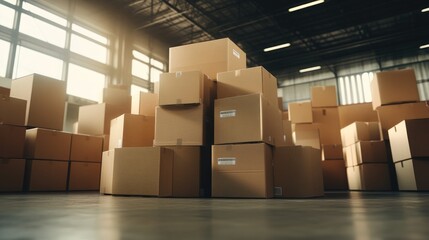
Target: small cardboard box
x,y
306,135
47,144
300,112
95,119
332,151
369,177
46,175
324,96
4,91
84,176
247,81
12,175
86,148
210,57
408,139
334,175
297,172
12,110
242,171
328,122
370,152
144,171
398,86
119,97
45,98
130,130
360,131
412,174
144,103
12,141
361,112
287,134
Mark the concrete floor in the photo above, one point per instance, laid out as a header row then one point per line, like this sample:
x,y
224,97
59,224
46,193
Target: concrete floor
x,y
353,215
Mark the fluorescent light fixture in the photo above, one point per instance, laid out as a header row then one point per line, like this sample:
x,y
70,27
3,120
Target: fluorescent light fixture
x,y
276,47
306,5
425,10
310,69
424,46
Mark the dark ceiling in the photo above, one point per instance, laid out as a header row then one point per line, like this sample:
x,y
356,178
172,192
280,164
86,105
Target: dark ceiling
x,y
331,34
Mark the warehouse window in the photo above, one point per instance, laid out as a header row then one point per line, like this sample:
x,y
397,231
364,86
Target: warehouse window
x,y
355,88
88,44
154,74
140,69
42,30
136,89
85,83
4,49
7,15
44,14
145,68
11,1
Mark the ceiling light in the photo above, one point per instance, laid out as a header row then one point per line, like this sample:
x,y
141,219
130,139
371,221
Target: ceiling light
x,y
425,10
277,47
306,5
424,46
310,69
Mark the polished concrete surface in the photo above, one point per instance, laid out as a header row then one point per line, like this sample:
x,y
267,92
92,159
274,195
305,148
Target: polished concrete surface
x,y
344,215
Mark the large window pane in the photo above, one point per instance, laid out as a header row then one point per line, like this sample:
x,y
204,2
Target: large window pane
x,y
157,64
11,1
140,69
85,83
89,34
137,89
29,61
6,16
140,56
45,14
4,49
42,30
88,48
154,74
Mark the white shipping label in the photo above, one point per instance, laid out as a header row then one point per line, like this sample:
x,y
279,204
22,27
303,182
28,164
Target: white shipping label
x,y
278,191
236,53
226,161
228,113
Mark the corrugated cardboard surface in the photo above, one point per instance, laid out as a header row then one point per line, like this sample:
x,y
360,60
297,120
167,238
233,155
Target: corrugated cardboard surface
x,y
117,97
361,112
247,81
350,155
95,119
129,130
391,87
332,151
412,174
210,57
408,139
144,103
47,144
324,96
86,148
12,175
297,172
12,141
370,152
328,122
4,91
334,174
287,134
46,175
360,131
242,170
84,176
369,177
300,112
306,134
12,110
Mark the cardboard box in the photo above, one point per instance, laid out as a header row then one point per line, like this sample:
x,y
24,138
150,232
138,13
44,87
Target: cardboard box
x,y
350,155
4,91
47,144
12,175
12,110
361,112
280,102
399,86
146,171
130,130
45,98
12,141
144,104
360,131
297,172
247,118
327,120
408,139
86,148
391,115
370,152
306,135
46,175
247,81
118,97
242,171
285,115
332,151
334,175
95,119
324,96
181,125
190,87
209,57
84,176
106,142
287,133
300,112
412,174
369,177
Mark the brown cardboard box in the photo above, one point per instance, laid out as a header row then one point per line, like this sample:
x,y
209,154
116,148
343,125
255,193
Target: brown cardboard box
x,y
46,175
361,112
4,91
297,172
350,155
332,151
328,122
247,81
130,130
146,171
280,102
209,57
391,87
118,97
144,104
360,131
300,112
179,88
242,170
370,152
95,119
12,110
408,139
324,96
47,144
12,175
369,177
334,174
306,135
86,148
285,115
45,98
412,174
391,115
247,118
180,125
106,142
287,132
12,141
84,176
